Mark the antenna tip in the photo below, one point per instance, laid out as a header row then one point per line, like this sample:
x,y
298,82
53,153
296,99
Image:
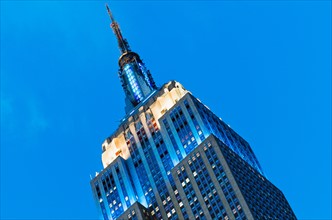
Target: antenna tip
x,y
109,12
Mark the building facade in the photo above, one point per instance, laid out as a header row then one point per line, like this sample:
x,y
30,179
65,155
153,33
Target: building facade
x,y
173,158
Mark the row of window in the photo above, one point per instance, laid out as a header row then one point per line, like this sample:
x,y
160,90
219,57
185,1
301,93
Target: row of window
x,y
183,129
140,169
187,187
263,198
224,181
217,127
207,188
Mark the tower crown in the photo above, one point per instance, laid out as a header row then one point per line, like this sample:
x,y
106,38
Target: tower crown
x,y
136,79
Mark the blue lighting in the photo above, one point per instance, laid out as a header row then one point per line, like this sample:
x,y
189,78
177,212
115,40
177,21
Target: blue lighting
x,y
133,83
145,73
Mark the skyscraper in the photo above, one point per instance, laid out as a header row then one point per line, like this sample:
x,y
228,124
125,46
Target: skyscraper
x,y
172,158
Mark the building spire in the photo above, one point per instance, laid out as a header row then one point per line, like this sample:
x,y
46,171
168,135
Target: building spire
x,y
123,44
136,79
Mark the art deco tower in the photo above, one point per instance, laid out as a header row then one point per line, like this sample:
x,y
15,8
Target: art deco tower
x,y
172,158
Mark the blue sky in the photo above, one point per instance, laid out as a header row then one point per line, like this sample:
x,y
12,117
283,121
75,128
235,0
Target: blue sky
x,y
263,66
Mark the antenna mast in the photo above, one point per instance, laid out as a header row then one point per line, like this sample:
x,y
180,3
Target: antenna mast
x,y
123,44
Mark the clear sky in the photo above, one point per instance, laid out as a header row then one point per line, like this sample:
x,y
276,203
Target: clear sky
x,y
262,66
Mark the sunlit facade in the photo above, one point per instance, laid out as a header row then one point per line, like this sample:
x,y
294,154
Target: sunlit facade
x,y
172,158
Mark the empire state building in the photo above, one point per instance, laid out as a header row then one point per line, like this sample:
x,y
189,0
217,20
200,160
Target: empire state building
x,y
173,158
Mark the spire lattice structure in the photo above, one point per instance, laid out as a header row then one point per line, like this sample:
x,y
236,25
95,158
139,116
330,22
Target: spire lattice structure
x,y
123,44
136,79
